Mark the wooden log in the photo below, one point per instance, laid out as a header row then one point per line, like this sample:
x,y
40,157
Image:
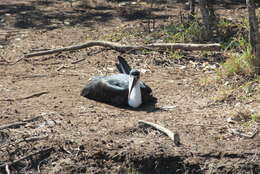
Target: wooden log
x,y
254,33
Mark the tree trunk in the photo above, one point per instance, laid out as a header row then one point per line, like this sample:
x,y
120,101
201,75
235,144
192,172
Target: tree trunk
x,y
208,17
254,33
192,7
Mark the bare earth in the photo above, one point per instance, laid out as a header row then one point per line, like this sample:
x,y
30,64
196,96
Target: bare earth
x,y
84,136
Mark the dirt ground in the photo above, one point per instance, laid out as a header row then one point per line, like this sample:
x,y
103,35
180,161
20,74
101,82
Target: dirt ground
x,y
71,134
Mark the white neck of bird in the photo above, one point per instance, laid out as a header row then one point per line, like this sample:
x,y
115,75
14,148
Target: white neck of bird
x,y
135,97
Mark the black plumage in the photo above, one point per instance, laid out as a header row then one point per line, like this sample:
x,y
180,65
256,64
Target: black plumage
x,y
114,89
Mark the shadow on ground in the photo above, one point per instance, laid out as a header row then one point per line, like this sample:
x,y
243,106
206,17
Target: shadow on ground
x,y
43,15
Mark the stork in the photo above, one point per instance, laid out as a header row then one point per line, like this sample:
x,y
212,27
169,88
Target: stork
x,y
123,89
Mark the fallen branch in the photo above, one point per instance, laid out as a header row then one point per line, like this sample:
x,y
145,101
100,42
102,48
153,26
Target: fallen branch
x,y
19,123
28,97
186,46
124,48
173,136
25,157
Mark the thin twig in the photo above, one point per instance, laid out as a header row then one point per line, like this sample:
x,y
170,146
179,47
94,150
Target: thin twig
x,y
39,165
116,155
77,61
35,138
28,97
32,119
65,150
19,123
61,67
18,60
173,136
25,157
31,76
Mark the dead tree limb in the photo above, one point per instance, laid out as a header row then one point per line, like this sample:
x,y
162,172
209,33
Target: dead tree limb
x,y
125,48
112,45
26,157
28,97
173,136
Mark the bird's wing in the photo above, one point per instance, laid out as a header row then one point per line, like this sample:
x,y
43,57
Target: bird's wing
x,y
106,89
123,66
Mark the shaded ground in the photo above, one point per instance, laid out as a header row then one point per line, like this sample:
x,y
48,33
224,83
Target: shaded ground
x,y
89,137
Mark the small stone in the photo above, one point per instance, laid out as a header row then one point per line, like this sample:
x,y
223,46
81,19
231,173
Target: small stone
x,y
67,23
92,129
230,120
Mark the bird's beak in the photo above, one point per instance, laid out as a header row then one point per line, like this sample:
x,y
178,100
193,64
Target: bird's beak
x,y
133,82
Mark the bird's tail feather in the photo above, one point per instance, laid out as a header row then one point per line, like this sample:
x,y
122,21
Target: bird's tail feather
x,y
123,66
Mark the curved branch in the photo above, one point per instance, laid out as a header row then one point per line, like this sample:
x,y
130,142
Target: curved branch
x,y
173,136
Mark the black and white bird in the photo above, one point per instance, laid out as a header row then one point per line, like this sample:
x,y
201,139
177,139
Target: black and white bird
x,y
124,89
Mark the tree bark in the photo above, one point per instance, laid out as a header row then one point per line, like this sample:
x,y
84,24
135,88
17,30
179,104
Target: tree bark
x,y
254,36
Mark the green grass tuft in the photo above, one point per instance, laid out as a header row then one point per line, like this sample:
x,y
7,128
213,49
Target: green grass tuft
x,y
239,63
189,31
255,117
